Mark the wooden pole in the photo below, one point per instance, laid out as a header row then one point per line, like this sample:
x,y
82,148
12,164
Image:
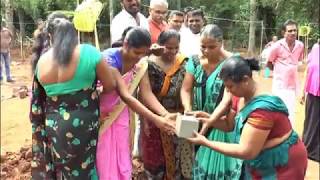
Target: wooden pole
x,y
110,16
261,38
21,48
306,48
252,28
96,37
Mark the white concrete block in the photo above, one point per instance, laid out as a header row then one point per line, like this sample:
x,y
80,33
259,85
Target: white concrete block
x,y
185,125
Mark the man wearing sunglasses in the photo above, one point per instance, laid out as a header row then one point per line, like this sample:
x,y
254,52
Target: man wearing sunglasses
x,y
284,59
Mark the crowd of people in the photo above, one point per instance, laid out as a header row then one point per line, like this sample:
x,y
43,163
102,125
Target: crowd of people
x,y
84,102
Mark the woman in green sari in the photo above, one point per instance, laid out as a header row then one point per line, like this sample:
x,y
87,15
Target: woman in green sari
x,y
263,136
202,81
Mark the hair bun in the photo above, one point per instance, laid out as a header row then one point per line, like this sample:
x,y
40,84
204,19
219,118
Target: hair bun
x,y
253,64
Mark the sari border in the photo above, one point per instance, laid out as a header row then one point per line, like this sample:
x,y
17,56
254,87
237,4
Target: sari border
x,y
107,121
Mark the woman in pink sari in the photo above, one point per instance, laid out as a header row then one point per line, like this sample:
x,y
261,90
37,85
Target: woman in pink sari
x,y
311,98
114,144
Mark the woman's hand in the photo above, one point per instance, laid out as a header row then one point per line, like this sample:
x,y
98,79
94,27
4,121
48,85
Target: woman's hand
x,y
206,124
166,125
156,49
171,117
204,118
198,114
197,138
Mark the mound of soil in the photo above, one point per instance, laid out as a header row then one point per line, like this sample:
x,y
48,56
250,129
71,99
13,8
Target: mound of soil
x,y
17,165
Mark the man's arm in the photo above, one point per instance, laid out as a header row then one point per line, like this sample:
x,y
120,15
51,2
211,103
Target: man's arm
x,y
271,58
301,57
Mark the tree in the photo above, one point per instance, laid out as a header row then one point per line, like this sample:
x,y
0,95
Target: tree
x,y
9,15
252,30
20,12
272,12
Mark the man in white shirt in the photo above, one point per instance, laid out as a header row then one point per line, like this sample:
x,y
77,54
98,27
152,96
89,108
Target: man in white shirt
x,y
175,20
129,16
190,37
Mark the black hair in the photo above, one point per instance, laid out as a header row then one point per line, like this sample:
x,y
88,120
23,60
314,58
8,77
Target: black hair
x,y
119,42
288,22
116,44
42,41
236,67
188,9
138,37
166,35
64,39
196,12
212,31
175,13
55,15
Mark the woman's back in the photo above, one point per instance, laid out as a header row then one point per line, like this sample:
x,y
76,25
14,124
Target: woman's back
x,y
80,73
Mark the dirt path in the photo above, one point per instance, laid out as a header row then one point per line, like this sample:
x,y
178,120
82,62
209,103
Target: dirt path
x,y
16,128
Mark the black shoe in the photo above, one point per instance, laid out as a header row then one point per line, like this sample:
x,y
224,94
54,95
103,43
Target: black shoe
x,y
10,80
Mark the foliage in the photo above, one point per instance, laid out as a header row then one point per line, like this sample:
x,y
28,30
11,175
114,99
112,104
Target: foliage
x,y
272,12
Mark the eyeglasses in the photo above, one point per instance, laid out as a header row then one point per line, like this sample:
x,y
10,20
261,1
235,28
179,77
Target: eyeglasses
x,y
292,30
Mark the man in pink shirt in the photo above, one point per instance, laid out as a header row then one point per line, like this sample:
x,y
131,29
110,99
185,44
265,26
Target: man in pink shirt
x,y
284,59
158,10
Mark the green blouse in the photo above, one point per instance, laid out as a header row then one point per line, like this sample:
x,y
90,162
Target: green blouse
x,y
84,76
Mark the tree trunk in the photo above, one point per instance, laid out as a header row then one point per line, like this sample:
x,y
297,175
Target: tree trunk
x,y
252,30
22,30
110,16
21,22
9,16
